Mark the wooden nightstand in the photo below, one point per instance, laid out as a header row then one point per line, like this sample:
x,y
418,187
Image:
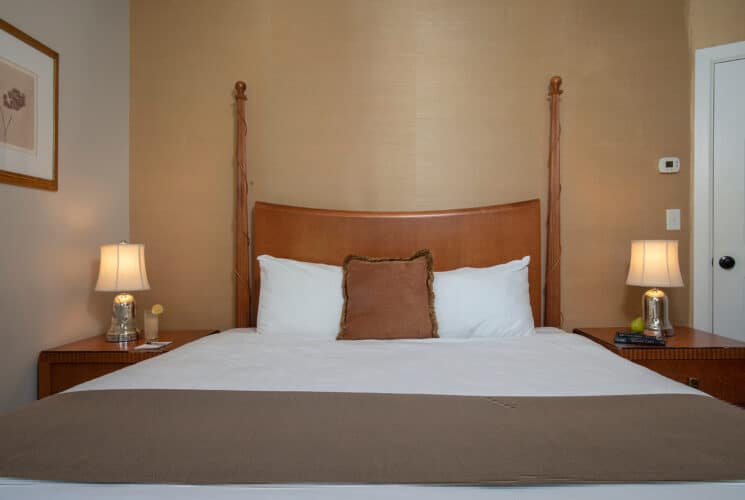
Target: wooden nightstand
x,y
71,364
713,364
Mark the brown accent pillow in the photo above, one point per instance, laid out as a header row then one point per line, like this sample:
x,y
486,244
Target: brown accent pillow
x,y
388,298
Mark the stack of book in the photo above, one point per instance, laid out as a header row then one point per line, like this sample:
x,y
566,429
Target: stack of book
x,y
629,337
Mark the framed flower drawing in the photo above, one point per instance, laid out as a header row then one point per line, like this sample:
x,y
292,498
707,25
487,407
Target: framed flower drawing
x,y
28,110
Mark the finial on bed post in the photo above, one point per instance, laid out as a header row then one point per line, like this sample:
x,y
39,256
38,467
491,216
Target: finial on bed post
x,y
240,90
554,86
552,301
242,261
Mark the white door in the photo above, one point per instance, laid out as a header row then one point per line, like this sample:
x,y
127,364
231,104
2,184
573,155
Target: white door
x,y
728,200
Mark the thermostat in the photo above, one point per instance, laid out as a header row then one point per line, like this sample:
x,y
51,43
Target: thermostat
x,y
669,165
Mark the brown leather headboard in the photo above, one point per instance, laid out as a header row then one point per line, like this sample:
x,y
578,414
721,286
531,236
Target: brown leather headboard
x,y
475,237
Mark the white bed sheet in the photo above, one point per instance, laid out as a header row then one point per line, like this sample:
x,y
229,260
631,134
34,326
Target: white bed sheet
x,y
550,363
526,366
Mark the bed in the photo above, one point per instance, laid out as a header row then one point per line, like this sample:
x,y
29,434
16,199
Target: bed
x,y
243,415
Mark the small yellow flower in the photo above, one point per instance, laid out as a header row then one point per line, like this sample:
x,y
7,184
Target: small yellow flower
x,y
157,309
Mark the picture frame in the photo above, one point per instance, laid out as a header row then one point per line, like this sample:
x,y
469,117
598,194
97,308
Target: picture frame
x,y
29,95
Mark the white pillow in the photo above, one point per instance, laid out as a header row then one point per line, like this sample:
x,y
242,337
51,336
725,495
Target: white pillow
x,y
484,302
299,298
304,299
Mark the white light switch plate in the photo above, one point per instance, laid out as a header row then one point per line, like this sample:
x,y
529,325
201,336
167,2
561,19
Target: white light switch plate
x,y
672,218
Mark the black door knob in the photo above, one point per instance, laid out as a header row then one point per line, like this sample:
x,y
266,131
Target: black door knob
x,y
726,262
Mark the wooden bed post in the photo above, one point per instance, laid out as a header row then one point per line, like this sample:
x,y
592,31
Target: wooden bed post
x,y
552,300
242,290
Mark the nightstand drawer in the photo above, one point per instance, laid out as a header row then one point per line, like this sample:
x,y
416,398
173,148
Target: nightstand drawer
x,y
66,375
722,378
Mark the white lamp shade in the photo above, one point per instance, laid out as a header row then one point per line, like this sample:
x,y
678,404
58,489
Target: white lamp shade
x,y
654,263
122,268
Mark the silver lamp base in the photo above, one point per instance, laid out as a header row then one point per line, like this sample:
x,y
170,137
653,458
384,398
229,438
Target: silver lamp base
x,y
654,312
123,319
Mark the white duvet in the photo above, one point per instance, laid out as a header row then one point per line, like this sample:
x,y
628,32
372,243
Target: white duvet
x,y
550,363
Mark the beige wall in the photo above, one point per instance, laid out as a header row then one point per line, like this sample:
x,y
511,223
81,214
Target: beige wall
x,y
406,105
49,241
716,22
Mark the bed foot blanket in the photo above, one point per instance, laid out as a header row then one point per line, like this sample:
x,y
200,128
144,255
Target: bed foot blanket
x,y
234,437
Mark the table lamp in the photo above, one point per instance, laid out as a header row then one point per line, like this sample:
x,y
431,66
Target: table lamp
x,y
654,263
122,270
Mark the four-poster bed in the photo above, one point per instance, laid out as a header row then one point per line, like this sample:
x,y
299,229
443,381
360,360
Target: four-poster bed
x,y
259,414
341,230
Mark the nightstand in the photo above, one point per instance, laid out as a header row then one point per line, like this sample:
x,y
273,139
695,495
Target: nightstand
x,y
713,364
71,364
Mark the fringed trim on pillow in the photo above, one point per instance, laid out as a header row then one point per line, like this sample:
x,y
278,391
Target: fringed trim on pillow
x,y
425,252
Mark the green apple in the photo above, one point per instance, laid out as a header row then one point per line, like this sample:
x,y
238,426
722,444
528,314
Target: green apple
x,y
637,324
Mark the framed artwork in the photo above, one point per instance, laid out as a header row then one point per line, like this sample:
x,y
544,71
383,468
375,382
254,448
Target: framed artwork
x,y
28,110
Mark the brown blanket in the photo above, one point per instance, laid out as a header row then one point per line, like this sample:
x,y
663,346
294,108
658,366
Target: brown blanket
x,y
221,437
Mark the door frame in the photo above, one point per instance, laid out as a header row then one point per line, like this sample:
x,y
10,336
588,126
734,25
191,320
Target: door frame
x,y
703,164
